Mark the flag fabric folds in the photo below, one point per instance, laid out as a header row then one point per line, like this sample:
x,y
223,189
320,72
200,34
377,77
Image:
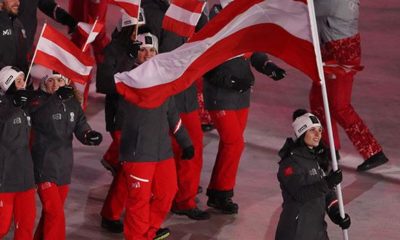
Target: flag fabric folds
x,y
277,27
182,16
131,7
85,29
58,53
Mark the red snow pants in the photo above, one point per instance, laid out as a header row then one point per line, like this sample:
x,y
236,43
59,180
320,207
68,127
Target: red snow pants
x,y
339,85
188,171
230,125
52,222
151,189
22,206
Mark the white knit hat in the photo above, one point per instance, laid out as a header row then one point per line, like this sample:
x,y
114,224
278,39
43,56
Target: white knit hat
x,y
148,40
8,75
305,122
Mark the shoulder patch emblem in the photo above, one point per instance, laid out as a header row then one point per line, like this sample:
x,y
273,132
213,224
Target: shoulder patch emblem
x,y
288,171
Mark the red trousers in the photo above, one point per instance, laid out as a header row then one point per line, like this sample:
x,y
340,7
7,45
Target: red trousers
x,y
230,125
112,154
151,190
116,198
22,206
87,11
188,171
115,201
205,117
342,113
52,222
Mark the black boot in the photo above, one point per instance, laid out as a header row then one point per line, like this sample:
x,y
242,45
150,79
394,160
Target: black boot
x,y
226,205
162,233
194,213
207,127
373,162
114,226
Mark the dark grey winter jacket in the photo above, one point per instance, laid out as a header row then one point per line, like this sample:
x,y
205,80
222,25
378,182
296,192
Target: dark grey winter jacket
x,y
16,166
54,121
220,96
305,194
146,132
13,43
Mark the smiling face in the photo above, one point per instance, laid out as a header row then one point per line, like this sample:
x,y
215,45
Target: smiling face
x,y
20,82
52,84
145,54
11,6
313,137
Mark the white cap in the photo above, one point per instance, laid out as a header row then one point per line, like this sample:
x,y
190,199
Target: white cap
x,y
8,74
148,40
305,122
225,3
127,20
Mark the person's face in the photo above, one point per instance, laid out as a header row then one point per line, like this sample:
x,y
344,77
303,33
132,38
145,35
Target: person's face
x,y
11,6
20,82
145,54
313,137
52,84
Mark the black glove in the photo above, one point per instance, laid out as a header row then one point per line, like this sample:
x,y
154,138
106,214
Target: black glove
x,y
334,215
240,85
273,71
21,97
334,178
93,138
65,18
133,48
188,153
65,92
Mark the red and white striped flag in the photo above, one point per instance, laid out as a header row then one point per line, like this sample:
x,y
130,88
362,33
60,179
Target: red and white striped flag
x,y
131,7
279,27
58,53
182,16
90,31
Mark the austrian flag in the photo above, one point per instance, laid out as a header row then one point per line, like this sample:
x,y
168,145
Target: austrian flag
x,y
58,53
85,29
279,27
131,7
182,16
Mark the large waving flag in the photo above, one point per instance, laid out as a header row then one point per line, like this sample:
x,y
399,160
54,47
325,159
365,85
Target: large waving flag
x,y
182,16
279,27
131,7
58,53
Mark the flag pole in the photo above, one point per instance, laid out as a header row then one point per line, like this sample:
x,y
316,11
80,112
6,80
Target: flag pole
x,y
135,33
87,86
91,30
34,54
315,38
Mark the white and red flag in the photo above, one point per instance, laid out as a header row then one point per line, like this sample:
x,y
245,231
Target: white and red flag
x,y
279,27
58,53
131,7
182,16
90,31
